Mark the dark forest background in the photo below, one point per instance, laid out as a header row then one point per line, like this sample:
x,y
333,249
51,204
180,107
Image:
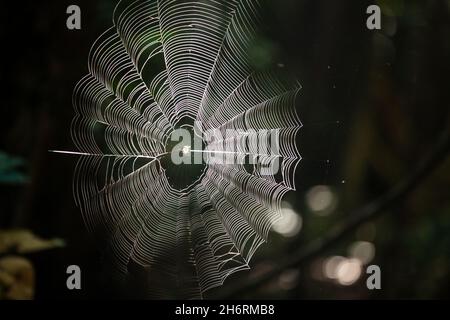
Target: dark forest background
x,y
373,104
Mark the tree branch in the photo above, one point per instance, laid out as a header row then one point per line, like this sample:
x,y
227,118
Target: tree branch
x,y
426,166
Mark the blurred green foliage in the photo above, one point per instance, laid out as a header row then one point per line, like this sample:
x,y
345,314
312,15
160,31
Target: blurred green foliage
x,y
10,172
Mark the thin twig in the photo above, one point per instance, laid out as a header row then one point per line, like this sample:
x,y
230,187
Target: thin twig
x,y
426,166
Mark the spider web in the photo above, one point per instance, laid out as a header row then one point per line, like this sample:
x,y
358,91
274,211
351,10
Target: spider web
x,y
161,63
